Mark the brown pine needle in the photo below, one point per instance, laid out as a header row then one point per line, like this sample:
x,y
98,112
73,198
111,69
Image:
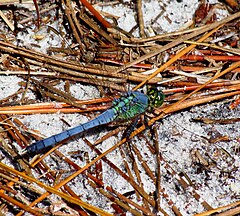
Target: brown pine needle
x,y
53,190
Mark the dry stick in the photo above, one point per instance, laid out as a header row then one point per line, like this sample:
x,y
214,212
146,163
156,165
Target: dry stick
x,y
53,107
16,134
185,104
35,162
5,19
196,68
109,134
143,162
87,78
16,181
4,100
47,105
75,19
100,81
227,85
38,14
129,201
73,69
232,3
231,212
201,99
10,48
234,104
128,171
139,41
52,110
13,154
36,73
28,19
140,18
63,99
157,180
204,57
162,36
12,130
54,90
70,21
169,109
8,187
147,170
177,42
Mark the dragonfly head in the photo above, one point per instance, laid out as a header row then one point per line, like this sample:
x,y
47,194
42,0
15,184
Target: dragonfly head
x,y
156,97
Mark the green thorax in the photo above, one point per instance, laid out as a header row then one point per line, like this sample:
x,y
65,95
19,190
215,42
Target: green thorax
x,y
129,106
135,103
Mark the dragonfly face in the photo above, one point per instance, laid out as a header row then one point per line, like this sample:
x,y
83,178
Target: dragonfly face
x,y
156,97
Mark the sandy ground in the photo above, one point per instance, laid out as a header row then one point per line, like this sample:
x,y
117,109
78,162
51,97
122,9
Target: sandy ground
x,y
179,137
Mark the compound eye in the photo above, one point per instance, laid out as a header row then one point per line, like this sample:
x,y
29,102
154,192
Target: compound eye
x,y
156,97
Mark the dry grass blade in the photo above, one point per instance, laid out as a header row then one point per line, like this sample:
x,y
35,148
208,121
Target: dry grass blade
x,y
176,42
233,211
70,68
64,97
20,205
129,178
53,190
99,183
10,25
97,29
140,18
54,107
190,103
97,15
175,58
233,66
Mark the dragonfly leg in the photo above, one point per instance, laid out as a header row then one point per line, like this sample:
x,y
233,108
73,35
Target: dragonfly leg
x,y
131,128
151,128
145,121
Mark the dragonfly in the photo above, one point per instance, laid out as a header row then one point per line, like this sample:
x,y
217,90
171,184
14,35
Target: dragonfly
x,y
126,107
